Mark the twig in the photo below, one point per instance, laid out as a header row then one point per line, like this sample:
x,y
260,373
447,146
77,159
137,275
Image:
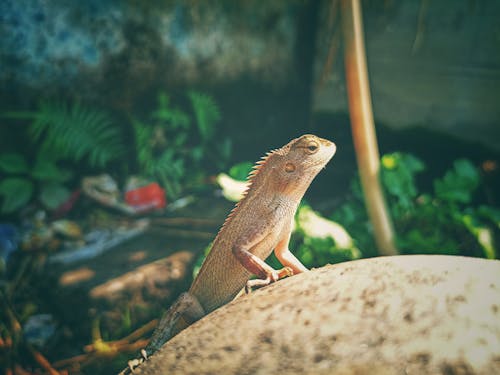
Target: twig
x,y
122,345
140,331
363,127
43,362
127,339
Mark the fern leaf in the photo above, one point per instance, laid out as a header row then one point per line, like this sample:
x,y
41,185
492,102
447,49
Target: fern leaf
x,y
76,132
206,112
175,117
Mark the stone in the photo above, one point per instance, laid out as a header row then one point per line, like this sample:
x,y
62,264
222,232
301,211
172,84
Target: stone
x,y
418,314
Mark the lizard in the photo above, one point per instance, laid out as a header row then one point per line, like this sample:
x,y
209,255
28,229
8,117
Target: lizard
x,y
262,221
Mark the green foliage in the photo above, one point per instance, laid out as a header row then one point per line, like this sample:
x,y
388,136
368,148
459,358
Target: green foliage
x,y
318,241
74,133
444,221
16,192
176,118
206,113
13,163
458,184
316,252
398,178
175,148
241,171
22,182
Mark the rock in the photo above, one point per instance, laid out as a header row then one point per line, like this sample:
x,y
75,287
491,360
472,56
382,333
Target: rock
x,y
82,43
420,314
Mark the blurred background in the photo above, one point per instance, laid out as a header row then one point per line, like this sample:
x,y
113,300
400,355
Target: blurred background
x,y
127,129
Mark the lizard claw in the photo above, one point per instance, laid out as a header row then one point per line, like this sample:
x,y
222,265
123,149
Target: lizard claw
x,y
285,272
257,283
271,278
134,363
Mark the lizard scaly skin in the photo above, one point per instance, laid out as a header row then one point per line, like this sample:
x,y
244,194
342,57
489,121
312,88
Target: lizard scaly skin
x,y
260,222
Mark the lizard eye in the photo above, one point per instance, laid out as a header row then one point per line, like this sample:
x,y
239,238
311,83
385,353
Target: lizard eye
x,y
312,147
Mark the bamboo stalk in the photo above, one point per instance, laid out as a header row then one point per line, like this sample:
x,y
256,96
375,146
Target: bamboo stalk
x,y
363,128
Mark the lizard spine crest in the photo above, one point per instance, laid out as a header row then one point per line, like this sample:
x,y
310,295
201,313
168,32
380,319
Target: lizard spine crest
x,y
251,178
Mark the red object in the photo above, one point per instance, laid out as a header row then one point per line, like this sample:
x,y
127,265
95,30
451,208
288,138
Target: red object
x,y
146,198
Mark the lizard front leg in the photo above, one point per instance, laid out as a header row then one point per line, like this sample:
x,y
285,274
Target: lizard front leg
x,y
242,251
286,257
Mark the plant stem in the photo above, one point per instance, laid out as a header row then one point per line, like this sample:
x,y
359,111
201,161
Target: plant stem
x,y
363,128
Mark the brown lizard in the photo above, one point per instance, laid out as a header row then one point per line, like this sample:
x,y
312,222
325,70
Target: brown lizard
x,y
260,222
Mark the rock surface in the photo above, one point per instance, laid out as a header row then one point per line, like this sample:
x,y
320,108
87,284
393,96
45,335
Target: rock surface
x,y
393,315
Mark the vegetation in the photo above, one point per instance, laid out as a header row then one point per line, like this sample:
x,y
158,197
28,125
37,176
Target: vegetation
x,y
44,180
58,132
74,132
171,140
444,221
178,145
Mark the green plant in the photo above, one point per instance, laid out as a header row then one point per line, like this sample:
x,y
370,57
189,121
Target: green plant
x,y
458,184
175,148
398,179
318,241
444,221
22,182
206,113
74,132
241,170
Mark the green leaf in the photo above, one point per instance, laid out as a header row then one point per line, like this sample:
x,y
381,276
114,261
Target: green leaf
x,y
398,178
197,153
240,171
224,147
45,170
206,113
52,195
76,132
490,213
13,163
16,193
175,117
481,233
458,184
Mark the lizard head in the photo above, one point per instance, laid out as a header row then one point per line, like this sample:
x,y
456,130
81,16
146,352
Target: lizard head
x,y
307,153
298,162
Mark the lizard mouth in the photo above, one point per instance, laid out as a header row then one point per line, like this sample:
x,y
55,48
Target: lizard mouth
x,y
329,151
